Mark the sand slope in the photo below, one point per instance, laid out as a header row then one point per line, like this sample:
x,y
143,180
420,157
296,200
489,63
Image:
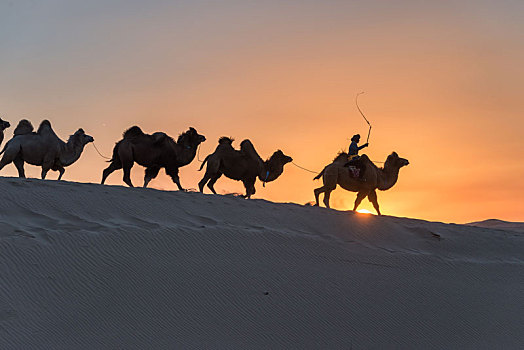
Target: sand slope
x,y
90,266
500,224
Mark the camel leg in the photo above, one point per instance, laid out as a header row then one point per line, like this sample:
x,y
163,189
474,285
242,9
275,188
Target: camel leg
x,y
208,175
372,196
151,173
212,172
212,182
250,188
327,194
61,171
127,173
326,189
330,184
360,197
47,164
6,159
107,171
44,172
19,164
203,182
317,192
174,176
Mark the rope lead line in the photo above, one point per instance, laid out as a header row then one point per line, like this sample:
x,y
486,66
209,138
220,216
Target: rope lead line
x,y
298,166
361,113
100,153
198,153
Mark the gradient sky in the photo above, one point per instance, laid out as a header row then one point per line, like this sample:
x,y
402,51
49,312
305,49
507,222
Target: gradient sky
x,y
443,81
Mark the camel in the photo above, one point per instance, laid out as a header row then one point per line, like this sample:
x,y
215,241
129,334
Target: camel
x,y
3,125
154,152
374,178
43,148
244,165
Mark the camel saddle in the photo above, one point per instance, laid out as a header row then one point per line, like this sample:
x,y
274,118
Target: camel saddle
x,y
354,171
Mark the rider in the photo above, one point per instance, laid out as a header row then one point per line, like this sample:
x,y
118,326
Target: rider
x,y
354,148
353,156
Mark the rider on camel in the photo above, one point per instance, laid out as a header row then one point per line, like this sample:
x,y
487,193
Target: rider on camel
x,y
353,157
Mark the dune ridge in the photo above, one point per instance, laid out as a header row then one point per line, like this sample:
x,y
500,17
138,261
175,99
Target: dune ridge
x,y
500,224
92,266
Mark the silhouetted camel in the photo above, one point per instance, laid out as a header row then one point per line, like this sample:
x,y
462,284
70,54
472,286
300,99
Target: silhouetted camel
x,y
43,148
3,125
154,152
244,165
374,178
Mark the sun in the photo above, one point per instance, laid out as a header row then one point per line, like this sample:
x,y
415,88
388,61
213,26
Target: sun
x,y
364,211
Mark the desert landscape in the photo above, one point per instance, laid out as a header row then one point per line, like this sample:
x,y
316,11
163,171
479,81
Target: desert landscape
x,y
88,266
233,174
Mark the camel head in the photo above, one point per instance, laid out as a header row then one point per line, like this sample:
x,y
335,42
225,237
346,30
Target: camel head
x,y
190,138
280,158
274,166
4,124
394,161
81,137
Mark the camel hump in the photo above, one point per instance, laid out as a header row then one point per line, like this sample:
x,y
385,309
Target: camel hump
x,y
159,137
366,162
224,140
133,132
247,148
45,125
24,127
46,129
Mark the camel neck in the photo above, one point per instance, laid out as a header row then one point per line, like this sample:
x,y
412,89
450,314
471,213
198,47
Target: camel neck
x,y
388,178
270,171
71,151
187,154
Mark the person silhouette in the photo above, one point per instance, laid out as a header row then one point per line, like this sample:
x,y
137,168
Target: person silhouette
x,y
354,158
354,147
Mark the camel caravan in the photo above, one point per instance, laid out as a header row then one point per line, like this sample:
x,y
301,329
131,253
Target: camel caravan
x,y
160,151
43,148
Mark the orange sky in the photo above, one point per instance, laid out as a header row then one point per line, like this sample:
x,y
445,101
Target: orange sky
x,y
443,86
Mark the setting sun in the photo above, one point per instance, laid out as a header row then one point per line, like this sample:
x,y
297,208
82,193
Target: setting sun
x,y
364,211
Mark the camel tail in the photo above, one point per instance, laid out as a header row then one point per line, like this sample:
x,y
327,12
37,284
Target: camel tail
x,y
319,175
115,157
204,162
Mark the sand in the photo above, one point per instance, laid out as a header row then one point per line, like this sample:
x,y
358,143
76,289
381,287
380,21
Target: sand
x,y
500,224
85,266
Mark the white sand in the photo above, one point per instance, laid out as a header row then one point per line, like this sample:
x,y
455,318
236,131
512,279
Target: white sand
x,y
105,267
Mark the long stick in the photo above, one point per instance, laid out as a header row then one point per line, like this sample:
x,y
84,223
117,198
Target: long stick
x,y
361,113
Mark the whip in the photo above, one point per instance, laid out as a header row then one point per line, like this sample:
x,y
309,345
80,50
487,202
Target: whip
x,y
363,116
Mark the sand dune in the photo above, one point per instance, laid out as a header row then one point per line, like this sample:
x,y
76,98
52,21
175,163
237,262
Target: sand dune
x,y
500,224
106,267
